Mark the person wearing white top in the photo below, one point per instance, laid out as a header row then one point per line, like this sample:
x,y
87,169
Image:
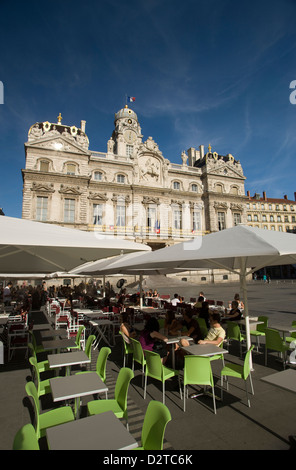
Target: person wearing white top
x,y
175,300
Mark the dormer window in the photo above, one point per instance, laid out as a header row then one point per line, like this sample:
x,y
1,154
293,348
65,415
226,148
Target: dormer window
x,y
44,165
98,176
120,179
176,185
70,169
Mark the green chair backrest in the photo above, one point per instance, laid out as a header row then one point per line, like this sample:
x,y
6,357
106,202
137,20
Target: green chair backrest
x,y
26,439
102,361
246,370
156,418
154,367
138,353
197,370
121,388
161,322
127,346
264,325
33,362
32,392
33,340
202,326
293,334
88,345
273,340
78,335
233,331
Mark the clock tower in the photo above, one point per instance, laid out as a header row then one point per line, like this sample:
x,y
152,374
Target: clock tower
x,y
127,135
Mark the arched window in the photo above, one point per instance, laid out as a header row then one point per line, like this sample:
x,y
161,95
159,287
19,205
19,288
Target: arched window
x,y
176,185
98,176
120,179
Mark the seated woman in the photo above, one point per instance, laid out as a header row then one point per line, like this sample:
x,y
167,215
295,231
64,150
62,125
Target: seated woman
x,y
234,314
216,333
192,329
240,302
126,328
150,339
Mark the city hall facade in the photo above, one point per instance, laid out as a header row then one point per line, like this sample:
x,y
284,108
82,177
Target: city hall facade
x,y
131,189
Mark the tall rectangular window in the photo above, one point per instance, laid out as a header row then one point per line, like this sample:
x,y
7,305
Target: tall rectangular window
x,y
41,209
236,218
69,210
98,214
129,150
221,221
196,221
120,216
151,218
177,222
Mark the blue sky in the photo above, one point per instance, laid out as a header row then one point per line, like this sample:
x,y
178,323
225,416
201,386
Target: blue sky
x,y
202,71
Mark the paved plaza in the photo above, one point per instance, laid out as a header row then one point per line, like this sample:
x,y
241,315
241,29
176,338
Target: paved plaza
x,y
265,426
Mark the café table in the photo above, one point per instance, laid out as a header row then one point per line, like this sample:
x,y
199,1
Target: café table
x,y
99,328
98,432
51,333
173,340
76,386
58,344
67,360
206,350
285,379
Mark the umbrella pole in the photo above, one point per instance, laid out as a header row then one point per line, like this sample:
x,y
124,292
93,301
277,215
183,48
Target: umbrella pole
x,y
243,286
141,290
104,285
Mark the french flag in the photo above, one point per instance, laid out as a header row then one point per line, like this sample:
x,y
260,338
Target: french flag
x,y
131,99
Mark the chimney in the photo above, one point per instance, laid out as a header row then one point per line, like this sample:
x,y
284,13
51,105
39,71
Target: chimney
x,y
285,196
264,196
249,195
82,126
202,151
295,196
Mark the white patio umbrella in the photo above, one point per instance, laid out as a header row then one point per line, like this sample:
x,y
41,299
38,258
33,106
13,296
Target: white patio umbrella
x,y
240,249
112,265
34,247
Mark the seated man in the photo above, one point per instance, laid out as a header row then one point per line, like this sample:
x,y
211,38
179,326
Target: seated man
x,y
216,333
192,329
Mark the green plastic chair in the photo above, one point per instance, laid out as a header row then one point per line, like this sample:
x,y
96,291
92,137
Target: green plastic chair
x,y
42,386
240,372
291,338
43,366
260,330
138,356
26,439
101,364
202,326
156,418
51,418
234,334
78,338
127,348
88,347
161,322
37,347
274,341
198,371
156,370
218,356
119,404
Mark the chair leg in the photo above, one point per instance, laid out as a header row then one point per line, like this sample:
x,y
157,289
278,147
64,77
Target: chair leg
x,y
184,397
214,400
145,386
248,401
251,382
163,392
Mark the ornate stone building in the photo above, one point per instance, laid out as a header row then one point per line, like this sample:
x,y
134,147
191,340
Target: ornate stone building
x,y
132,189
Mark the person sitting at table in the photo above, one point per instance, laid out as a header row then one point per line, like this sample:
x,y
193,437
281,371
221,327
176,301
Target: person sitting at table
x,y
175,300
199,302
170,322
234,314
152,340
126,328
204,313
240,303
216,333
192,329
155,293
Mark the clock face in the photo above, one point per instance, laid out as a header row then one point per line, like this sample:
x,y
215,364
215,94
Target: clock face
x,y
130,136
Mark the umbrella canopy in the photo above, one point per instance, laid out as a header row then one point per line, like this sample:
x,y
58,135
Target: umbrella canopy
x,y
240,249
34,247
